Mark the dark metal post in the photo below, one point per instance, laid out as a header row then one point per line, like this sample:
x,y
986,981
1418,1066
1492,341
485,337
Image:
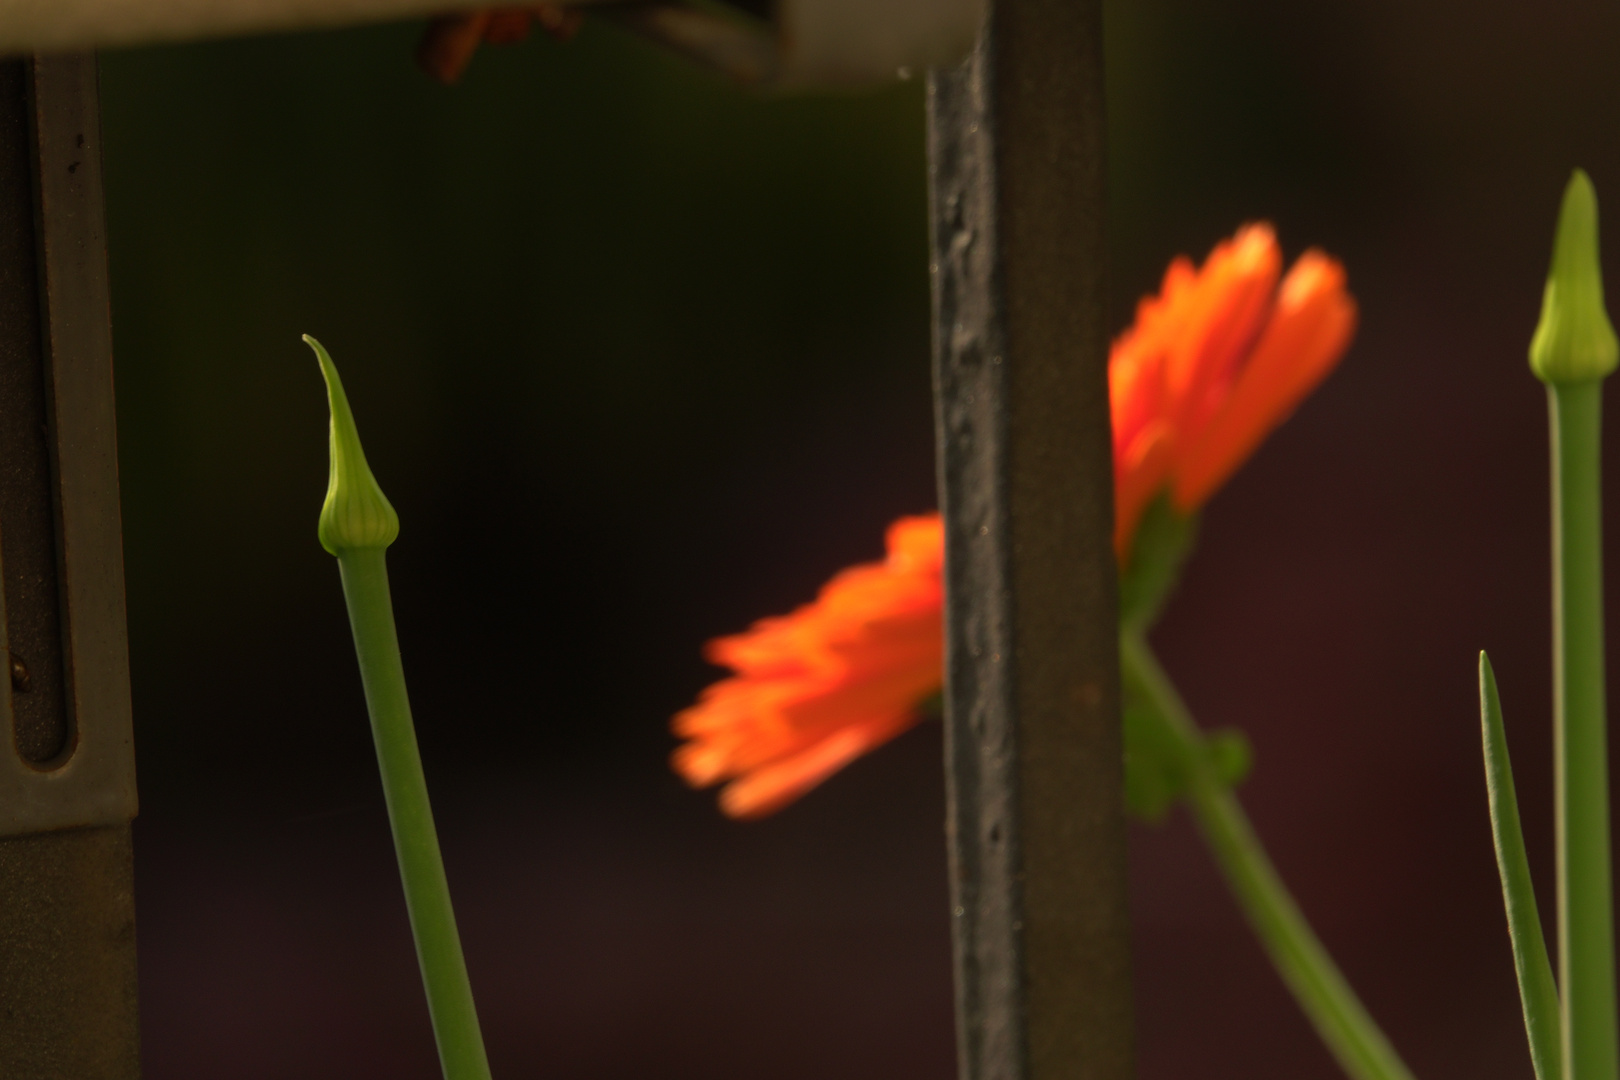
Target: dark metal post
x,y
1036,815
67,772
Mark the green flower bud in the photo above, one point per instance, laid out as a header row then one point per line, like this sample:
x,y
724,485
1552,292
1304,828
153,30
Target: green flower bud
x,y
357,514
1574,341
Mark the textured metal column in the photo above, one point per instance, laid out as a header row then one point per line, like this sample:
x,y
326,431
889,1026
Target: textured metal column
x,y
1036,814
67,775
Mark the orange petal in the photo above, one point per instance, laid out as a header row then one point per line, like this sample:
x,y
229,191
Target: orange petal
x,y
769,789
814,688
1217,323
1139,473
1136,391
1310,330
916,544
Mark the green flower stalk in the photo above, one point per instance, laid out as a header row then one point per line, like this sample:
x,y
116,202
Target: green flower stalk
x,y
1203,772
1574,348
357,525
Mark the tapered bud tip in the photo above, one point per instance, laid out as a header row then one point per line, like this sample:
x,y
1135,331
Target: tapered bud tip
x,y
1575,341
357,514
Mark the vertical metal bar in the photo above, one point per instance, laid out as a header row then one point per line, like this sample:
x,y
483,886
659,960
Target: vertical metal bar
x,y
1036,814
67,778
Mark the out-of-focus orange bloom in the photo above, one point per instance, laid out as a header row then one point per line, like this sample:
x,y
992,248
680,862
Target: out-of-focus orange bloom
x,y
818,688
1213,363
448,43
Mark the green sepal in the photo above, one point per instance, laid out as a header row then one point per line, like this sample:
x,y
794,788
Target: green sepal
x,y
1157,771
1230,754
1538,992
357,515
1154,778
1163,539
1574,341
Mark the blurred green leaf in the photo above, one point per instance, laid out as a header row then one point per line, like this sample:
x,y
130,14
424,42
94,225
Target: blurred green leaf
x,y
1537,990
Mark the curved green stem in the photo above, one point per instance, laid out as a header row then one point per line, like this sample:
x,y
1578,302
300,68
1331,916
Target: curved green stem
x,y
1585,891
1305,965
421,869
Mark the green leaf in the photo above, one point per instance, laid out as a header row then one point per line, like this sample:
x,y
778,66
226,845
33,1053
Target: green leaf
x,y
1163,540
1537,990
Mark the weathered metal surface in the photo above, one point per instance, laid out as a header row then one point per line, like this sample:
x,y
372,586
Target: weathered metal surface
x,y
67,957
1034,765
67,781
34,704
71,762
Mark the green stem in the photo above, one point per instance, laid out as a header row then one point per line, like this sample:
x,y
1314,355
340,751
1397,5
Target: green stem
x,y
1585,901
421,869
1305,965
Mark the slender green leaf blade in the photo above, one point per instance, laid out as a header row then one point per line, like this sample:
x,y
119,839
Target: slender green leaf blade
x,y
1536,987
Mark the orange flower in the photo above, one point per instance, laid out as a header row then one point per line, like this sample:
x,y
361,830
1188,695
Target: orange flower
x,y
820,687
1214,362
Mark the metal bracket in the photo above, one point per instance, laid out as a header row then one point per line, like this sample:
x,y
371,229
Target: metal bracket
x,y
1033,757
70,761
68,987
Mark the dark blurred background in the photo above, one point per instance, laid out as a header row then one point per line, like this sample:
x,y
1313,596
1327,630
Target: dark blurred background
x,y
640,358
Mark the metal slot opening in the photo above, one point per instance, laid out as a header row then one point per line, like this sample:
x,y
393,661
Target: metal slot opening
x,y
42,724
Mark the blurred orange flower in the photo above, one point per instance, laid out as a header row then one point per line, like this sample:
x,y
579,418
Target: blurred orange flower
x,y
1213,363
818,688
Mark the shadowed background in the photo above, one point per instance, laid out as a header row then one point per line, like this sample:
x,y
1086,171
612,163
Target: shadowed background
x,y
640,358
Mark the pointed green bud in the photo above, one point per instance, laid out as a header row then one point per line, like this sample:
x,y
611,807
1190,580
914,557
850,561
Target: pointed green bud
x,y
357,514
1574,341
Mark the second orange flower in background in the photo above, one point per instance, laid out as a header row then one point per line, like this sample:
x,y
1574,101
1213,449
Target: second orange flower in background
x,y
1213,363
